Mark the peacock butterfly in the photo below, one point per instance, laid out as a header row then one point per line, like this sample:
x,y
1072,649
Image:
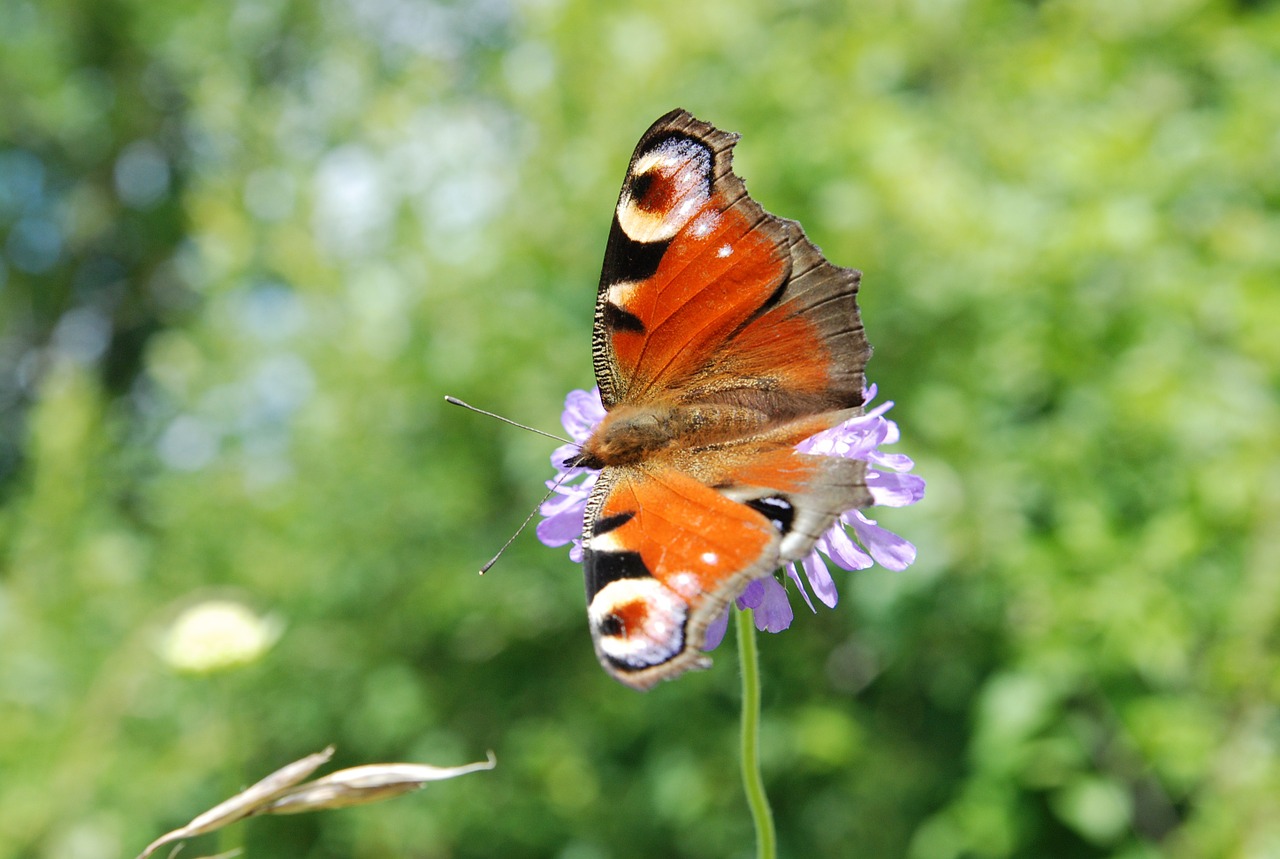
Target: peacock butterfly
x,y
722,339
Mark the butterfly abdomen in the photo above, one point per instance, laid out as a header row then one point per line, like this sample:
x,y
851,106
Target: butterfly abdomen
x,y
630,435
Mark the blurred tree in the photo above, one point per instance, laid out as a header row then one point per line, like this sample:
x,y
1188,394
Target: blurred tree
x,y
93,164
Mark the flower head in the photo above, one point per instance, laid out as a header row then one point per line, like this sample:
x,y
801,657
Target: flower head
x,y
854,542
216,635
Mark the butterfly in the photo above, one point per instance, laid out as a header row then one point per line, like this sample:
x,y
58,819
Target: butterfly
x,y
722,339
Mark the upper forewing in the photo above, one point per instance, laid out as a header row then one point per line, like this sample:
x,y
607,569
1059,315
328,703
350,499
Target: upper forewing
x,y
705,296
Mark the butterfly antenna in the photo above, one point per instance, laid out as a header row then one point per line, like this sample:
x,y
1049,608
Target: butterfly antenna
x,y
523,525
457,402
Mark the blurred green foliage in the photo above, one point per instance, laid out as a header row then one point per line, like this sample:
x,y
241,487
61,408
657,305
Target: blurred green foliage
x,y
247,247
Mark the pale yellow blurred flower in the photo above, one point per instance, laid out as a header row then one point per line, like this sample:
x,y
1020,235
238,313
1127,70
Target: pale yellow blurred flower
x,y
217,634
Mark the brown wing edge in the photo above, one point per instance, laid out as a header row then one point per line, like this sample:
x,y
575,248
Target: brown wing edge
x,y
826,295
822,292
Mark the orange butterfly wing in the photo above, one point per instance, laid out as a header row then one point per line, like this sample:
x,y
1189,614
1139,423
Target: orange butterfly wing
x,y
661,546
722,339
704,295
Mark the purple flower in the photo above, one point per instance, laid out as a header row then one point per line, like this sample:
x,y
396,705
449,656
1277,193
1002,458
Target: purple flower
x,y
867,545
562,513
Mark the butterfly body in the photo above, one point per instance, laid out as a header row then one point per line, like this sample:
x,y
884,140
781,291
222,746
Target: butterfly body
x,y
722,339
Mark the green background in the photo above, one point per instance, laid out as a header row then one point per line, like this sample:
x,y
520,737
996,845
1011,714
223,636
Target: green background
x,y
247,247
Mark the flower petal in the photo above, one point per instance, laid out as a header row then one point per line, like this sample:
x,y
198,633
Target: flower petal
x,y
840,548
890,489
563,454
896,461
559,502
561,528
716,630
819,576
891,433
795,577
753,595
582,411
889,550
774,612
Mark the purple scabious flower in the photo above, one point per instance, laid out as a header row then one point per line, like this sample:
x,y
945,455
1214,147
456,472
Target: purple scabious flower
x,y
854,542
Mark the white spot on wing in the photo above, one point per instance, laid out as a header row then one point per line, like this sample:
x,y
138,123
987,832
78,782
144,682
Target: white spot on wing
x,y
704,224
620,293
685,584
606,542
724,251
710,558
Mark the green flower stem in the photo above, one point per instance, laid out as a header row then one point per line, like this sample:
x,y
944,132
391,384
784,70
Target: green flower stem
x,y
752,781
